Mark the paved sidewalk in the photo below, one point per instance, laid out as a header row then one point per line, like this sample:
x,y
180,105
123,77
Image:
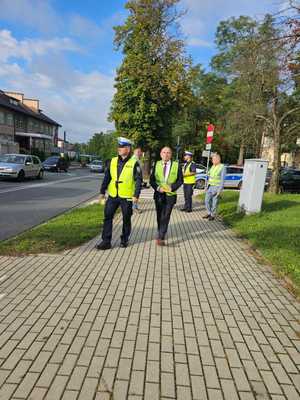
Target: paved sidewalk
x,y
198,319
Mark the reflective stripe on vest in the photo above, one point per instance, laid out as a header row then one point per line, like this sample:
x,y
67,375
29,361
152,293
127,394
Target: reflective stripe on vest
x,y
124,186
215,175
172,178
191,179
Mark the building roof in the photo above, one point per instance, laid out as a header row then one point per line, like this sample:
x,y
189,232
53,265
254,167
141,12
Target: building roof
x,y
15,105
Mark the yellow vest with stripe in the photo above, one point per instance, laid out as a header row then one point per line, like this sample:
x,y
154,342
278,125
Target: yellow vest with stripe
x,y
172,177
215,175
191,179
124,186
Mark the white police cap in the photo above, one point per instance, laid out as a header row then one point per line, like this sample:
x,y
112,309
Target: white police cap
x,y
123,142
188,153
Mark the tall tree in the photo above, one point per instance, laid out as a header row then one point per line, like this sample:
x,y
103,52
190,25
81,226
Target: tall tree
x,y
152,83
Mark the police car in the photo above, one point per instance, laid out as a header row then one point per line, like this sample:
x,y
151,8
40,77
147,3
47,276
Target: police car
x,y
233,177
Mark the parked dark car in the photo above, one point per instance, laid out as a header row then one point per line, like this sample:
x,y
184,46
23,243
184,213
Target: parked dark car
x,y
289,180
56,164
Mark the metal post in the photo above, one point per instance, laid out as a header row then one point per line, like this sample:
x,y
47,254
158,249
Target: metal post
x,y
207,168
177,148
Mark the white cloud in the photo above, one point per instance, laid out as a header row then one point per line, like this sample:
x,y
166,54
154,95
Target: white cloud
x,y
38,14
79,101
197,42
26,49
202,16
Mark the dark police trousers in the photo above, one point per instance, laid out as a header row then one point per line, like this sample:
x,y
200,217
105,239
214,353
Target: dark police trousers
x,y
164,205
111,206
188,195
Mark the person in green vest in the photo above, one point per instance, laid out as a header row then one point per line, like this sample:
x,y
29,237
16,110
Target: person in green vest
x,y
215,186
137,156
189,180
166,178
122,181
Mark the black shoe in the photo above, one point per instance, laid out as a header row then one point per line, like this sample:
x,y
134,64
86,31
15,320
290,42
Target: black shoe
x,y
183,209
188,211
211,218
207,216
124,244
103,246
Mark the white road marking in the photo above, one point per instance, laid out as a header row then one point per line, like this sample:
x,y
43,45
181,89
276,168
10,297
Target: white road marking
x,y
2,278
16,189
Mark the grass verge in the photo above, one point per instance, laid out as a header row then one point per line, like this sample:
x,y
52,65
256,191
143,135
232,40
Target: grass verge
x,y
275,232
63,232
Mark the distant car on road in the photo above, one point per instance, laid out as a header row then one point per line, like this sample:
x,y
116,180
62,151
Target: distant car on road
x,y
96,166
20,166
56,164
233,177
289,180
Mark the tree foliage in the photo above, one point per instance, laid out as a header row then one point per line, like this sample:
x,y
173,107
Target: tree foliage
x,y
152,83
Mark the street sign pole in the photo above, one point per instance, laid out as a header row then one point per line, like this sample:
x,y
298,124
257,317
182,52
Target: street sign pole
x,y
207,167
177,148
209,139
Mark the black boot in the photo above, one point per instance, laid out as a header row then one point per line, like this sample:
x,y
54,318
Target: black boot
x,y
103,246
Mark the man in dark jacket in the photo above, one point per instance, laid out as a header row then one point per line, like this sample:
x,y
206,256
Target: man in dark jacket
x,y
166,178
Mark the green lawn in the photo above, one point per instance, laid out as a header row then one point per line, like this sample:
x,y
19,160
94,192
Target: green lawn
x,y
64,232
275,232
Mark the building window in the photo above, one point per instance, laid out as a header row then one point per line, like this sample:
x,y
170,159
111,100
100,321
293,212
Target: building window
x,y
30,125
9,119
20,123
2,118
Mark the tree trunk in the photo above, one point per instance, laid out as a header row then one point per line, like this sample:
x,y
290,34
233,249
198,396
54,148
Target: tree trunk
x,y
274,185
241,154
147,165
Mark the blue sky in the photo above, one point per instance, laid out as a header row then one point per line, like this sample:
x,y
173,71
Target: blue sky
x,y
62,52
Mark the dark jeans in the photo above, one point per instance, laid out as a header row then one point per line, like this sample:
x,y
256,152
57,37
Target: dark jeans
x,y
111,206
188,194
164,205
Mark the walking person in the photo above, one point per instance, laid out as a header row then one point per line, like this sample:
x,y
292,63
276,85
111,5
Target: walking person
x,y
189,180
215,186
122,181
137,156
166,178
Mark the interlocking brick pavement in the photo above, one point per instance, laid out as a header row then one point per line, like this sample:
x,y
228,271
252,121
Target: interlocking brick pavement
x,y
199,319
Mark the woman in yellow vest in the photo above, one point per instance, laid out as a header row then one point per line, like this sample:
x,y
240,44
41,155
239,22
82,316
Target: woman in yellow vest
x,y
189,180
165,179
122,181
215,186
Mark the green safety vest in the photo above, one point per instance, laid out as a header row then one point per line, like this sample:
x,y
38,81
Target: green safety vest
x,y
172,178
124,186
190,180
215,174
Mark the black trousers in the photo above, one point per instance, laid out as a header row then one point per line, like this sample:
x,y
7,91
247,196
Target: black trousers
x,y
111,206
188,190
164,205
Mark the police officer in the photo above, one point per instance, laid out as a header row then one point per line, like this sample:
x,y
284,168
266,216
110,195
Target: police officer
x,y
165,179
122,181
215,186
189,180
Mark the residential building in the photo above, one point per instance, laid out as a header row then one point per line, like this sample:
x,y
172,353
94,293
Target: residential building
x,y
23,126
291,159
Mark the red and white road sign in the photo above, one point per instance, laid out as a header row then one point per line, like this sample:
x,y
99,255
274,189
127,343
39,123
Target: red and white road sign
x,y
210,133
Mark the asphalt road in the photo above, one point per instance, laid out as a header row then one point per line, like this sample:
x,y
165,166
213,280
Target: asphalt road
x,y
24,205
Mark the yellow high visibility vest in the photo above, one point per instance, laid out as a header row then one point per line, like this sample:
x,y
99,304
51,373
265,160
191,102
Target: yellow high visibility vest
x,y
124,186
189,179
215,174
159,175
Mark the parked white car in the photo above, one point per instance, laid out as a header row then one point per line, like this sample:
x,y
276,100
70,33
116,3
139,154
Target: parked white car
x,y
20,166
